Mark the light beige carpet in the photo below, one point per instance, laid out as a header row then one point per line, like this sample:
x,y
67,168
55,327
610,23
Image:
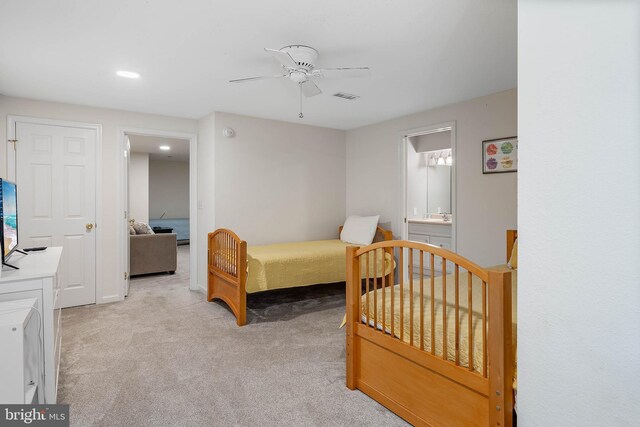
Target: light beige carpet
x,y
166,357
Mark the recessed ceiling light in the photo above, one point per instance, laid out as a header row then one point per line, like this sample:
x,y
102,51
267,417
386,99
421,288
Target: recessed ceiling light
x,y
165,147
128,74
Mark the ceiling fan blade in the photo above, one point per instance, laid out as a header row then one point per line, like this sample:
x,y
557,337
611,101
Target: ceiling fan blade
x,y
282,57
249,79
342,72
310,89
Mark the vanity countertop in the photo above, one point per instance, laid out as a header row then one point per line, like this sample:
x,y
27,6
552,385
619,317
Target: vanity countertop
x,y
437,221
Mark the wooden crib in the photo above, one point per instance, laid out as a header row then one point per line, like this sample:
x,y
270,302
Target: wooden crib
x,y
400,363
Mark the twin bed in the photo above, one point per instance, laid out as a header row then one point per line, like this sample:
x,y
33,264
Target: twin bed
x,y
434,350
236,269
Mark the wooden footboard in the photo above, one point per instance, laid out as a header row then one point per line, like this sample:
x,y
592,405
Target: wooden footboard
x,y
419,373
227,264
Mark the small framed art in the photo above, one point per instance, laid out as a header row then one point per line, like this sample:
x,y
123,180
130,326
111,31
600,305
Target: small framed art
x,y
500,155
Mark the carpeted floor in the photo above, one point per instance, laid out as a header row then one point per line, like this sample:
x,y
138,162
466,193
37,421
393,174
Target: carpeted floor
x,y
166,357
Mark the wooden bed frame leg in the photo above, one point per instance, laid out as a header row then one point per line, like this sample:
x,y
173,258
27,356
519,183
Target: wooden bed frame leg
x,y
241,317
500,350
353,298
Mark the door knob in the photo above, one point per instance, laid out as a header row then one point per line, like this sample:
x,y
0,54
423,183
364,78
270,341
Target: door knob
x,y
89,226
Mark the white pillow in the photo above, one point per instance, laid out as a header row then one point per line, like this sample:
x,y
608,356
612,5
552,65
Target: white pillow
x,y
359,230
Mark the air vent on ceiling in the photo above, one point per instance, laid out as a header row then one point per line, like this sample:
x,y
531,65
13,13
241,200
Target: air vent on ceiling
x,y
345,95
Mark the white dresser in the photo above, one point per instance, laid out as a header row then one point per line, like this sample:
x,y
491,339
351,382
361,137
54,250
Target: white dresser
x,y
37,278
20,367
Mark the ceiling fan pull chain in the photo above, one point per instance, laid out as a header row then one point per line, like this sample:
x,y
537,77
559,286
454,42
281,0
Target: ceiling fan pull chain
x,y
300,115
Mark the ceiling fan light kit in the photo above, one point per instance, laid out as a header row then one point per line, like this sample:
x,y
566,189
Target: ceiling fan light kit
x,y
298,63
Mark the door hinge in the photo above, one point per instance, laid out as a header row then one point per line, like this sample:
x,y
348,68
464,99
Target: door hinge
x,y
405,220
126,275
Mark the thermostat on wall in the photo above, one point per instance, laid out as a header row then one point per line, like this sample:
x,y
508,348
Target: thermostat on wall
x,y
228,132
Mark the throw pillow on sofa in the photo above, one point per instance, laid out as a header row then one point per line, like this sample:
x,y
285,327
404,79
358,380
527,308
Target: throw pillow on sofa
x,y
142,228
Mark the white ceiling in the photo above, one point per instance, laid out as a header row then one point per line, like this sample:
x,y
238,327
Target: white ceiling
x,y
423,53
151,144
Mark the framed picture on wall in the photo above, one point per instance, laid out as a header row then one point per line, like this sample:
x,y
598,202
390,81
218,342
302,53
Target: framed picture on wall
x,y
500,155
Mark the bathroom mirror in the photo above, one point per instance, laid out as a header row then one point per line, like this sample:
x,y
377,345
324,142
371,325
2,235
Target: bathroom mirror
x,y
429,179
438,189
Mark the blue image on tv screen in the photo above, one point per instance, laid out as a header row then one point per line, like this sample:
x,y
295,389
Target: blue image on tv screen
x,y
9,214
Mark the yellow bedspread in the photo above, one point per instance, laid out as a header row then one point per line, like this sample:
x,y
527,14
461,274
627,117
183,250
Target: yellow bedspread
x,y
476,314
289,265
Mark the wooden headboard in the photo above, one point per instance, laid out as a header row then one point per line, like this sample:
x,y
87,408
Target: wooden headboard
x,y
512,235
381,234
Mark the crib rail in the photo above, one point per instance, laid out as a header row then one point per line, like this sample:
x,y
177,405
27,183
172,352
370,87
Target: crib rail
x,y
451,314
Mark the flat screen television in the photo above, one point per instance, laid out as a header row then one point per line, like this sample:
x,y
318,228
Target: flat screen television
x,y
8,218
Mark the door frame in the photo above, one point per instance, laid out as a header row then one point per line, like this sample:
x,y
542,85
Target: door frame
x,y
402,224
12,121
193,198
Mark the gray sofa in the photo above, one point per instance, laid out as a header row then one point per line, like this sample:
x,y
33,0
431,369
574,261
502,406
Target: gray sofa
x,y
153,253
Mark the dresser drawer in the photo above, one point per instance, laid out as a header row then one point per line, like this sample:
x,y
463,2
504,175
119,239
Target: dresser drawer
x,y
422,238
442,242
430,229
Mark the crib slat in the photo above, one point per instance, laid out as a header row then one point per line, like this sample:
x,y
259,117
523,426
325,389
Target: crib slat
x,y
470,318
234,266
444,310
457,335
433,307
375,289
401,293
366,298
421,300
411,296
383,305
484,329
392,291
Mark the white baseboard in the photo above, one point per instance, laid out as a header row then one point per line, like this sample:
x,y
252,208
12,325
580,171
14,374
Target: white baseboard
x,y
109,299
202,289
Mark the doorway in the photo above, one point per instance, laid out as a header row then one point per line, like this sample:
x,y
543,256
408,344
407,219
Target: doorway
x,y
159,198
56,167
428,185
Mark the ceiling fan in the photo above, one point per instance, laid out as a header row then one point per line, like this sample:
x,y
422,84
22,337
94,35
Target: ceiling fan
x,y
298,63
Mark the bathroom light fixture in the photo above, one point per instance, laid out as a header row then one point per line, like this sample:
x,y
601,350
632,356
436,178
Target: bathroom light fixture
x,y
165,147
441,160
128,74
449,159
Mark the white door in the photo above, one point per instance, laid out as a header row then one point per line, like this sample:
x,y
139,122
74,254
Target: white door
x,y
56,185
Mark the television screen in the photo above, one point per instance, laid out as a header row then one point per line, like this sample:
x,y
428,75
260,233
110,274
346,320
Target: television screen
x,y
9,216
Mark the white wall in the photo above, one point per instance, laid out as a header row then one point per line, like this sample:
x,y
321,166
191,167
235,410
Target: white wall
x,y
110,120
486,204
274,181
168,189
139,187
579,213
278,181
206,191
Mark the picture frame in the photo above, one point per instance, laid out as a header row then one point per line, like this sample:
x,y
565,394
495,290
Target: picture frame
x,y
500,155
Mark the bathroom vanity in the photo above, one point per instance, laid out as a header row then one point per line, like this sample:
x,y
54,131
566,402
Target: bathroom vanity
x,y
434,231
